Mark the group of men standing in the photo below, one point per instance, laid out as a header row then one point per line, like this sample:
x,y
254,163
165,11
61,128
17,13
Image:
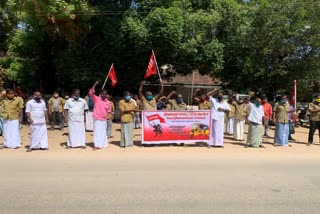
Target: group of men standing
x,y
99,112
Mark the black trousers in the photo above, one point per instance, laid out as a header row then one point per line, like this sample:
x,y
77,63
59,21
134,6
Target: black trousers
x,y
314,125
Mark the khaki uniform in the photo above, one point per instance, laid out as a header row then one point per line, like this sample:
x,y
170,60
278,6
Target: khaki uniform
x,y
110,115
61,103
11,108
148,105
281,112
206,105
241,111
126,106
314,116
176,106
232,111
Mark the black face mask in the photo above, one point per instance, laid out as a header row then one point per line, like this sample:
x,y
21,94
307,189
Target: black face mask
x,y
219,98
37,99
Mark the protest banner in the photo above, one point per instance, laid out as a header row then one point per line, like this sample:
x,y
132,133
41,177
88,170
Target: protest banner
x,y
160,127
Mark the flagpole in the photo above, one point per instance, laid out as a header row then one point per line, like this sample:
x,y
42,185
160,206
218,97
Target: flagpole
x,y
105,81
192,87
157,65
295,94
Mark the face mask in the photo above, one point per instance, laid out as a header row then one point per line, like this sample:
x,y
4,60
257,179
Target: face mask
x,y
257,104
283,101
179,100
127,97
240,102
55,96
37,99
76,97
317,100
149,97
10,96
202,100
219,98
263,102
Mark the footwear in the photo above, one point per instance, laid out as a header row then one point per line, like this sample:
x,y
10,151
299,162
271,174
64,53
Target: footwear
x,y
68,147
276,144
61,129
309,144
83,147
246,146
51,129
292,139
262,146
2,146
209,147
96,148
18,147
45,149
29,150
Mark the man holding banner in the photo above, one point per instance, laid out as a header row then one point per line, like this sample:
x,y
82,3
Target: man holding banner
x,y
219,108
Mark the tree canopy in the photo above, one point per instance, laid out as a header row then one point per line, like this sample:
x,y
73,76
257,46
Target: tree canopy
x,y
261,45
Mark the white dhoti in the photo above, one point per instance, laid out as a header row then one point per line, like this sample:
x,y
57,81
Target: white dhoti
x,y
77,134
230,124
238,129
11,133
89,121
38,136
100,134
217,132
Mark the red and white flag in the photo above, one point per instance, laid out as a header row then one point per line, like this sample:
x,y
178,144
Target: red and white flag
x,y
152,67
112,75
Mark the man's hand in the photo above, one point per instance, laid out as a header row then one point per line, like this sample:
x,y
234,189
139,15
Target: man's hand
x,y
220,109
30,121
143,82
65,120
97,82
173,92
47,121
198,89
251,93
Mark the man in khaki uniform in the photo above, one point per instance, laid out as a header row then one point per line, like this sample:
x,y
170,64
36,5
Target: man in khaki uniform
x,y
241,113
12,114
56,104
314,109
176,104
127,109
203,101
280,116
110,117
149,102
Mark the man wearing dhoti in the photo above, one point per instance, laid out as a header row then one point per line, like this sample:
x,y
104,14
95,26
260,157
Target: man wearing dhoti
x,y
240,119
100,112
149,102
36,111
219,108
12,114
127,108
255,117
89,119
281,118
75,109
230,120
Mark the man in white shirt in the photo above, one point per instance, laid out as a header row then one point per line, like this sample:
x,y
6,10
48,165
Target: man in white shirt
x,y
38,118
219,108
255,117
75,109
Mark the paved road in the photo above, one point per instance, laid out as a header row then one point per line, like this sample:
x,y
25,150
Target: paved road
x,y
136,183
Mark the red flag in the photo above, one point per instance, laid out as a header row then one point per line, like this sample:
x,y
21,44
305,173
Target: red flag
x,y
293,96
112,75
152,67
156,117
